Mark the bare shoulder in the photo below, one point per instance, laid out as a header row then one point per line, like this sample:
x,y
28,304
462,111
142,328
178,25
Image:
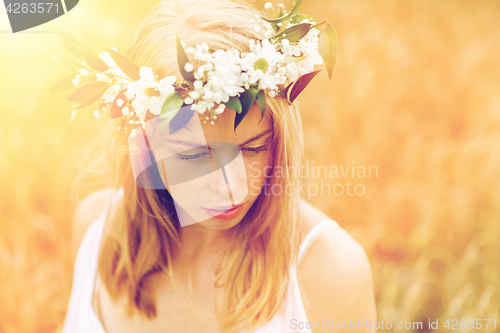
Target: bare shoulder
x,y
336,279
86,212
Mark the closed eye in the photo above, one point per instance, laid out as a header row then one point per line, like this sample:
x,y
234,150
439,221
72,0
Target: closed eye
x,y
192,157
253,150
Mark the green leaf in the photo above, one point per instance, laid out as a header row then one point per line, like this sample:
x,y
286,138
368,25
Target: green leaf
x,y
68,62
295,10
64,83
66,37
301,84
89,78
234,104
261,102
182,60
83,93
261,64
299,17
180,120
92,60
296,32
94,98
68,41
247,98
72,49
172,105
75,113
328,47
126,65
284,92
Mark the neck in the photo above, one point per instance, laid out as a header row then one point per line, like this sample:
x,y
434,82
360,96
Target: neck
x,y
199,241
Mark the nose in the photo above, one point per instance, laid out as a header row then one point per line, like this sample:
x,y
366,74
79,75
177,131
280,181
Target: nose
x,y
227,174
219,184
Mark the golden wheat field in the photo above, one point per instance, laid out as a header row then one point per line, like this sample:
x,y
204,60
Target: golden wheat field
x,y
415,95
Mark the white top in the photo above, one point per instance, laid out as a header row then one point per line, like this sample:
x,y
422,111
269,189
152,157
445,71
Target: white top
x,y
81,318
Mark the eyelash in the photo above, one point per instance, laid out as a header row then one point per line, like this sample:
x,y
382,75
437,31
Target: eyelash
x,y
190,157
195,157
255,150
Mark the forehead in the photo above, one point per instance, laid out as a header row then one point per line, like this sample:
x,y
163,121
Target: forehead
x,y
200,129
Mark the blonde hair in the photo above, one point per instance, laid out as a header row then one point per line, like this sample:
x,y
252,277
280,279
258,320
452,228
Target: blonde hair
x,y
143,235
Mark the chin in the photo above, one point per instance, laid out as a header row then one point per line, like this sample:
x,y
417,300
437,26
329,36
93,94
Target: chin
x,y
219,224
224,223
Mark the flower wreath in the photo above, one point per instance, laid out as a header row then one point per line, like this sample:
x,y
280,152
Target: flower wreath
x,y
128,96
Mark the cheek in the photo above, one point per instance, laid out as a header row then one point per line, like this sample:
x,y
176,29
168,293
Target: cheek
x,y
257,167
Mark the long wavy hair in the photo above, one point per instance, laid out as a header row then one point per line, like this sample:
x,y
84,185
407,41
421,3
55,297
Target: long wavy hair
x,y
142,235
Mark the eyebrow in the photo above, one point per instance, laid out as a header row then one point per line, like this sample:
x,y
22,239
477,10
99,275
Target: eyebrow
x,y
196,145
258,136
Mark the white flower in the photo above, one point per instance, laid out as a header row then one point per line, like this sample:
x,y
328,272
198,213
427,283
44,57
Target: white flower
x,y
194,95
77,80
268,5
188,67
188,100
198,85
166,85
270,60
83,72
220,109
102,78
108,60
153,100
97,114
110,95
133,133
125,111
208,95
146,73
292,71
156,103
307,65
120,102
142,102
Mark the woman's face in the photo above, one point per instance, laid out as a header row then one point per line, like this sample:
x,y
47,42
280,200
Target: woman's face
x,y
213,173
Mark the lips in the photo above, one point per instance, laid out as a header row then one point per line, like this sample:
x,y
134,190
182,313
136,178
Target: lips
x,y
224,212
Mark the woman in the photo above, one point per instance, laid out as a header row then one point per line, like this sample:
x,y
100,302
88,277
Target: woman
x,y
233,249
